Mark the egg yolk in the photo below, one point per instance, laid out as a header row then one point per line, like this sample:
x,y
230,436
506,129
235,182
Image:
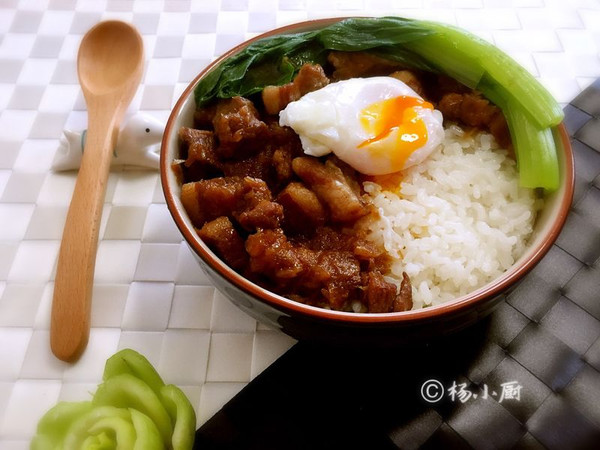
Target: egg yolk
x,y
394,116
388,182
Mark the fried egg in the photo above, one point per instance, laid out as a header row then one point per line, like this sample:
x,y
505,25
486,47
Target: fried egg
x,y
377,125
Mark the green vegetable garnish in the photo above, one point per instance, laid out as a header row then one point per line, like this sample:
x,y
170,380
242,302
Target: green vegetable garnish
x,y
127,391
245,73
53,428
182,415
132,409
131,362
481,65
529,108
534,146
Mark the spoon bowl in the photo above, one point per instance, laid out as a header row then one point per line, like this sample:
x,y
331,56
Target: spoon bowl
x,y
108,57
109,64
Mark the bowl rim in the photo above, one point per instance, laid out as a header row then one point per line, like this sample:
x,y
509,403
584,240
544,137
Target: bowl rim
x,y
459,305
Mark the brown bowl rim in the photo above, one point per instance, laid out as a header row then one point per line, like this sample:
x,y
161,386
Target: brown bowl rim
x,y
460,304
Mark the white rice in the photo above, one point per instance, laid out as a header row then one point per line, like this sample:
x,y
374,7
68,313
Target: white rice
x,y
458,221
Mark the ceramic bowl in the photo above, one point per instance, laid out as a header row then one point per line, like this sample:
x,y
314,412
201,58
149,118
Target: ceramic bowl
x,y
317,324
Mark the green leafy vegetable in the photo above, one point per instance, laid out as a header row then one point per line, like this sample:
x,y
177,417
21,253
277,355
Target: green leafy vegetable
x,y
54,426
473,53
287,53
535,150
529,108
148,435
368,33
182,415
535,147
127,391
132,409
131,362
101,426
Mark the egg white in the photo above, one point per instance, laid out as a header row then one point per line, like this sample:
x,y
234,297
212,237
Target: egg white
x,y
328,120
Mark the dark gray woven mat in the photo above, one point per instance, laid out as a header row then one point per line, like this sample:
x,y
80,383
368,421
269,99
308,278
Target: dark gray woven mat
x,y
545,338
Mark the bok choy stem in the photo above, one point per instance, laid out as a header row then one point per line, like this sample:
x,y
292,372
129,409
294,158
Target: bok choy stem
x,y
132,409
518,84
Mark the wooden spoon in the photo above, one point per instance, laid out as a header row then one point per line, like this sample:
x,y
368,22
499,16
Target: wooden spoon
x,y
109,64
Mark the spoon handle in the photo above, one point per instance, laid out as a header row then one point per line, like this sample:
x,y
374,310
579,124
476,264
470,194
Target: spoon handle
x,y
71,305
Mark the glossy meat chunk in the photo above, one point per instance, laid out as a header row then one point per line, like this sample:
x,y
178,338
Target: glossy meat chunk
x,y
403,301
332,275
346,171
330,186
268,158
265,214
232,197
349,240
343,279
273,256
282,163
254,191
189,199
201,146
257,165
201,159
380,295
323,277
236,120
280,136
225,241
310,77
383,297
410,79
206,200
302,209
359,64
472,109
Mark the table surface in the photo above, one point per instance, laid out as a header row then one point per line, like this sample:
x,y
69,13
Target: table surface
x,y
149,293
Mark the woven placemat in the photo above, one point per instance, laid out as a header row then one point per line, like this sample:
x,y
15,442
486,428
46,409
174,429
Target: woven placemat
x,y
528,376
